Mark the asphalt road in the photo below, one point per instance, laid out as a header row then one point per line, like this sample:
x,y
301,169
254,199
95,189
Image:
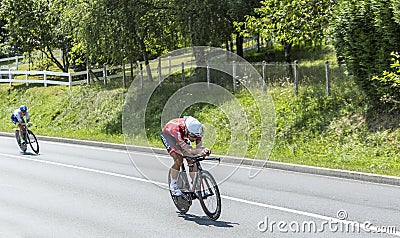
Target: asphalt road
x,y
80,191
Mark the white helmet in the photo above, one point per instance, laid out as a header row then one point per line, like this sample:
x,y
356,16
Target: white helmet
x,y
194,127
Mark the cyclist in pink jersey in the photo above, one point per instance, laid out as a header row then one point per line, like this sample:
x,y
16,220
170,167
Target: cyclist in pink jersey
x,y
177,136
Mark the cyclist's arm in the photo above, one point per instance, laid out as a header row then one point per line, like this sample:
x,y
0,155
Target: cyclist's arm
x,y
199,147
199,143
189,150
27,116
198,151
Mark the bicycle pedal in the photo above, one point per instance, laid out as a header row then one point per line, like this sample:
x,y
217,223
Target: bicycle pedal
x,y
193,195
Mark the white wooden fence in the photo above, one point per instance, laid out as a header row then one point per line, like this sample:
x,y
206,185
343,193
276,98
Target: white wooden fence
x,y
12,75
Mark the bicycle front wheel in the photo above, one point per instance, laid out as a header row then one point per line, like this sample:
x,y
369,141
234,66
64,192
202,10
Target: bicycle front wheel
x,y
209,196
33,142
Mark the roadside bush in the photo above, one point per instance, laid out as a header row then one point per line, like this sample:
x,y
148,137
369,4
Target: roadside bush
x,y
389,89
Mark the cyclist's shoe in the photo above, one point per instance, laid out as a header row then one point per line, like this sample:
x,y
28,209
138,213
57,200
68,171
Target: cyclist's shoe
x,y
205,194
22,141
175,189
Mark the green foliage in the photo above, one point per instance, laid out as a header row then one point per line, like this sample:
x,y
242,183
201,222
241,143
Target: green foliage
x,y
37,25
365,34
290,21
203,22
389,89
42,63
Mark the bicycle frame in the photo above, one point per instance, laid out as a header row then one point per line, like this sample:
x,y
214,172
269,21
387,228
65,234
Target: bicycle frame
x,y
196,161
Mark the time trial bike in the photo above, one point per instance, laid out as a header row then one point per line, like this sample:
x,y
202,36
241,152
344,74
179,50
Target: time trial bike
x,y
29,138
203,187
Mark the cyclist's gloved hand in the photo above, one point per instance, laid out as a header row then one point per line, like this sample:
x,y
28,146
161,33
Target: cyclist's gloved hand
x,y
205,152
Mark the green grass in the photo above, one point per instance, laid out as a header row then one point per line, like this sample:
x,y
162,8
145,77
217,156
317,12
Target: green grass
x,y
85,112
339,131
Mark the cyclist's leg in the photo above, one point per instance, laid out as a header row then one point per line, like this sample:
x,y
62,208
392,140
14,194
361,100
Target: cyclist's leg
x,y
178,161
175,152
21,130
174,173
192,169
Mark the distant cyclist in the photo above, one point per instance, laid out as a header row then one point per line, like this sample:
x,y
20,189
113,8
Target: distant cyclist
x,y
18,118
177,136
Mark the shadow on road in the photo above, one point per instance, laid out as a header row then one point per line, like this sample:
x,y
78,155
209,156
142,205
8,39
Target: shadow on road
x,y
205,221
28,153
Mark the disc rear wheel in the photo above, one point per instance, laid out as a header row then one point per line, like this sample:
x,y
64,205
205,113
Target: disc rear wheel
x,y
182,203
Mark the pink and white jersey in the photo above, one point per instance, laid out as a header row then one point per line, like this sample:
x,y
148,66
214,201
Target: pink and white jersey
x,y
177,129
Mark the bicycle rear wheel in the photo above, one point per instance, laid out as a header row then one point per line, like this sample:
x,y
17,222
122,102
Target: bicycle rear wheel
x,y
33,141
209,196
182,203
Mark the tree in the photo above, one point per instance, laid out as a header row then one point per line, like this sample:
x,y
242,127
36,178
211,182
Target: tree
x,y
115,31
36,25
365,34
202,22
290,22
238,10
3,38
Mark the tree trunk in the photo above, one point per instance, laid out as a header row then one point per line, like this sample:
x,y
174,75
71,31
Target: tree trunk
x,y
50,55
239,45
288,58
146,60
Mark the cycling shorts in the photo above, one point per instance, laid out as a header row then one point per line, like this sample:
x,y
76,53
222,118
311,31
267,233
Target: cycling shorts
x,y
170,143
14,119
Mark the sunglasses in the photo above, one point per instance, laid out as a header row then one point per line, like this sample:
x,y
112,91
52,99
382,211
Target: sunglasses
x,y
193,135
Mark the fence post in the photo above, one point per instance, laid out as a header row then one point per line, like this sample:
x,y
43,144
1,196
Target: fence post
x,y
9,76
87,74
183,74
234,75
328,86
70,81
159,72
208,76
141,74
263,76
16,62
123,75
105,75
26,80
44,78
296,82
169,65
131,64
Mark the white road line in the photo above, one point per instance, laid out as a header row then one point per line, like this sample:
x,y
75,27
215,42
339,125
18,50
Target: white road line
x,y
373,229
